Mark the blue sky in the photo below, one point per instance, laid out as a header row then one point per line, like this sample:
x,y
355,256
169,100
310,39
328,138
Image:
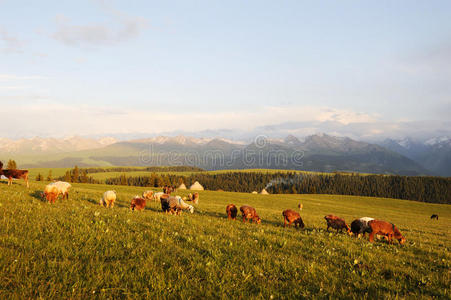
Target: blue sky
x,y
101,67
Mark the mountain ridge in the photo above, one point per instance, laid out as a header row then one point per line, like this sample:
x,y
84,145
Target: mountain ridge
x,y
433,154
319,152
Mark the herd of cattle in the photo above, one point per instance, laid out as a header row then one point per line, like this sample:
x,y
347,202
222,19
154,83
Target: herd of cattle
x,y
176,204
358,227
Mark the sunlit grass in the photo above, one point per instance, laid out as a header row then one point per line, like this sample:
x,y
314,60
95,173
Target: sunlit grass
x,y
77,249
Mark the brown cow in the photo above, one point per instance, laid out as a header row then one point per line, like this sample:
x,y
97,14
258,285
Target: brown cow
x,y
387,229
291,216
194,197
138,203
17,174
231,211
249,213
168,189
174,204
337,223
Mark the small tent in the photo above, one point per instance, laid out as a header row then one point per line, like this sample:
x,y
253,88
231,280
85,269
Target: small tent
x,y
264,192
254,192
182,187
196,186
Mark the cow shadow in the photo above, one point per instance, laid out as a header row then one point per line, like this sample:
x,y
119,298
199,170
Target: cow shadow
x,y
153,208
92,201
39,195
211,214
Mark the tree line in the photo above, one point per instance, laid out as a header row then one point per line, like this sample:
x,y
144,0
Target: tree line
x,y
10,165
418,188
147,169
78,175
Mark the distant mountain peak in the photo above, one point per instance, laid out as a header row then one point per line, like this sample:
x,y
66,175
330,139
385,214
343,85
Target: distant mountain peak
x,y
439,141
53,145
292,140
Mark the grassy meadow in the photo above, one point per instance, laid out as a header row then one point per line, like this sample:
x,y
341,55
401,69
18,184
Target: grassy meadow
x,y
77,249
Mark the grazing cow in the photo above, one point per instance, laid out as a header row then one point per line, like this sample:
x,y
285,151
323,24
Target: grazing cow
x,y
54,189
231,211
148,195
387,229
291,216
194,197
336,223
157,196
51,193
360,226
138,203
434,217
16,174
164,199
249,213
174,205
168,189
108,199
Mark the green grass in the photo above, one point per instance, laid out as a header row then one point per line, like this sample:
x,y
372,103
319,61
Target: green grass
x,y
56,172
77,249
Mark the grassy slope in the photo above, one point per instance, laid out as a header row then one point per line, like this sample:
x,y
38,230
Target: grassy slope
x,y
76,248
56,172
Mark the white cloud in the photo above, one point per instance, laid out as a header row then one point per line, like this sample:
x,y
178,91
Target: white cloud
x,y
54,119
46,118
9,43
120,28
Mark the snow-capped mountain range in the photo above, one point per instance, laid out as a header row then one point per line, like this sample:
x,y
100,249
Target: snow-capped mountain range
x,y
433,154
322,152
52,145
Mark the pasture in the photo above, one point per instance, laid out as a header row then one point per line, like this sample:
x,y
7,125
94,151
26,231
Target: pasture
x,y
77,249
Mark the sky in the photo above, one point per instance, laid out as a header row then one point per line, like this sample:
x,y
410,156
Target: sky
x,y
120,67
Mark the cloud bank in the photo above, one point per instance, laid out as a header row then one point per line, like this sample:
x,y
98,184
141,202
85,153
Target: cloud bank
x,y
56,120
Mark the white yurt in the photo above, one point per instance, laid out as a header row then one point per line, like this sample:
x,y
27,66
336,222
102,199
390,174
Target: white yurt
x,y
264,192
182,187
196,186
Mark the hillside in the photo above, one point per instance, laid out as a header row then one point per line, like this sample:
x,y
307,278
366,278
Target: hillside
x,y
76,249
